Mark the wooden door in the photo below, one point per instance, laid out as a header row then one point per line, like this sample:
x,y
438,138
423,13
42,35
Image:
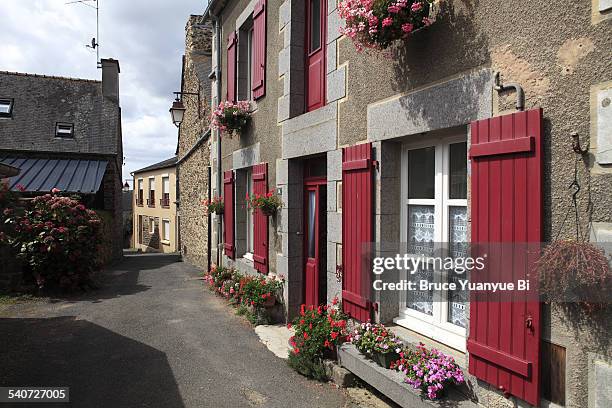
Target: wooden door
x,y
315,227
316,39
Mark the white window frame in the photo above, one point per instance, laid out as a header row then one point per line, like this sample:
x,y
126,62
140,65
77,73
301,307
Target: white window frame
x,y
8,102
436,326
64,130
165,230
165,180
249,220
151,225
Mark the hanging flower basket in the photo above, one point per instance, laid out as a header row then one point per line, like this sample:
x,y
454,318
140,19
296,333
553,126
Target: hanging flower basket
x,y
376,24
268,203
231,118
214,206
574,272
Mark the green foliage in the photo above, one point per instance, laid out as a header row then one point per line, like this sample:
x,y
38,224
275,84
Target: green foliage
x,y
308,366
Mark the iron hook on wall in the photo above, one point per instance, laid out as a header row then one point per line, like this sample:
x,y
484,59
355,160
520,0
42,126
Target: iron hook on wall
x,y
576,144
520,94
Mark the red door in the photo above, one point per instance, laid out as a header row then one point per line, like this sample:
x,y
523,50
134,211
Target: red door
x,y
316,39
315,208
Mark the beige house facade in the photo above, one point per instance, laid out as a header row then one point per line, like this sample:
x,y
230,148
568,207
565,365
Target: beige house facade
x,y
154,208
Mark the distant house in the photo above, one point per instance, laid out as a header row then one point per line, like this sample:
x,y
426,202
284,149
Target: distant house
x,y
154,209
65,133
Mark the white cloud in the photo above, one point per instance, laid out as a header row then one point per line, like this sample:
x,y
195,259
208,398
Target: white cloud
x,y
146,36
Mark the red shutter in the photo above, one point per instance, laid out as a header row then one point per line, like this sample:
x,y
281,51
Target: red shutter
x,y
228,213
357,229
506,206
259,50
231,68
260,220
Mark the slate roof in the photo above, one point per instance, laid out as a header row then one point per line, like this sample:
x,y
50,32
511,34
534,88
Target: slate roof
x,y
41,101
67,174
161,165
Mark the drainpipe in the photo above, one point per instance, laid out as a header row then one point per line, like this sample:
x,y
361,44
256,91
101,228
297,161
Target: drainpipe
x,y
217,23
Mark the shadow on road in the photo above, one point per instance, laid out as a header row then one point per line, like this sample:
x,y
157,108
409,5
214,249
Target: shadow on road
x,y
102,368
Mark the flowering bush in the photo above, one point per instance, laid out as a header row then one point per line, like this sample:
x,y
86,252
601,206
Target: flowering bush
x,y
378,23
59,238
575,272
429,370
231,117
317,330
214,206
269,203
258,292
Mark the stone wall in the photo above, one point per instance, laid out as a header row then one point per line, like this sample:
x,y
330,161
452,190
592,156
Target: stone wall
x,y
193,167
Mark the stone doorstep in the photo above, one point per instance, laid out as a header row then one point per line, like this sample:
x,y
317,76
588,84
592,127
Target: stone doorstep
x,y
391,383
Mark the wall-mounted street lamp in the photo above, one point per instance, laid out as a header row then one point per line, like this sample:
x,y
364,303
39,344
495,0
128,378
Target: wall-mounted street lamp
x,y
177,111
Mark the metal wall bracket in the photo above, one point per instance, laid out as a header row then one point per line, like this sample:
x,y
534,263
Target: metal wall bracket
x,y
520,94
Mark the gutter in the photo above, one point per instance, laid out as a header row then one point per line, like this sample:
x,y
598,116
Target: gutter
x,y
217,23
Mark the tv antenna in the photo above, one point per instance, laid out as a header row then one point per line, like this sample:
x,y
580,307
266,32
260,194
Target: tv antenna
x,y
95,42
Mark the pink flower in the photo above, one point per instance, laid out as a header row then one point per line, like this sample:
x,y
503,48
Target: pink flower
x,y
416,6
393,9
426,21
20,187
55,190
407,28
387,22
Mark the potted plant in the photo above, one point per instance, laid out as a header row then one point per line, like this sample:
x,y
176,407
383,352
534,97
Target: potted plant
x,y
429,370
231,117
214,206
574,272
317,333
377,343
376,24
268,203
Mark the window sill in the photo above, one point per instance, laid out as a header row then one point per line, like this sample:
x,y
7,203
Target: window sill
x,y
164,242
439,337
248,256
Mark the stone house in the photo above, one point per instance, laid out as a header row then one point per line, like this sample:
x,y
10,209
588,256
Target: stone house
x,y
65,133
154,208
468,131
193,146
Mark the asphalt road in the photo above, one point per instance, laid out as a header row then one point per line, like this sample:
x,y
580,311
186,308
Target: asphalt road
x,y
153,336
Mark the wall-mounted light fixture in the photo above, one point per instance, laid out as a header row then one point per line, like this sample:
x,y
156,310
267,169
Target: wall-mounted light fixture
x,y
177,111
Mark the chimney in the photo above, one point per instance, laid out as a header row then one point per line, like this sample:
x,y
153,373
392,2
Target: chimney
x,y
110,79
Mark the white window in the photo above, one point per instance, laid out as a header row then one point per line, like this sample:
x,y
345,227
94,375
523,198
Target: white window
x,y
64,130
140,198
249,215
434,216
166,230
152,225
6,108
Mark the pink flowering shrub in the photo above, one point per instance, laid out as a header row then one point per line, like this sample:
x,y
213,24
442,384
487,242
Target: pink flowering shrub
x,y
376,24
428,369
231,117
58,238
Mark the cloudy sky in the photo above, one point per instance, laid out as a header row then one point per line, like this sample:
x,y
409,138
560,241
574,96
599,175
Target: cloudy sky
x,y
146,36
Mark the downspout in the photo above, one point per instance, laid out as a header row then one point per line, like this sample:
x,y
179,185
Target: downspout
x,y
219,168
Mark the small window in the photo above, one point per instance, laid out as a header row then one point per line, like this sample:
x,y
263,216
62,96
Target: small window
x,y
245,61
166,229
6,108
152,225
64,130
249,212
315,25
